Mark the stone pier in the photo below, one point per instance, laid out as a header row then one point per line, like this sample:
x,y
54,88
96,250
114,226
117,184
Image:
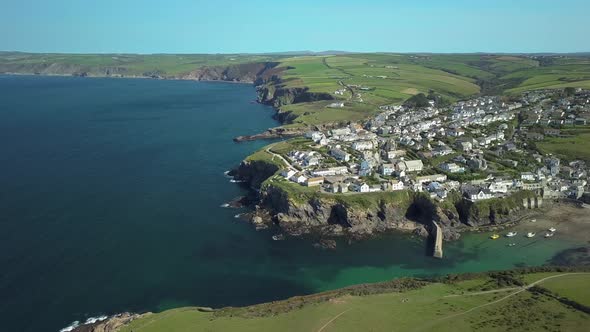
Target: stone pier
x,y
438,241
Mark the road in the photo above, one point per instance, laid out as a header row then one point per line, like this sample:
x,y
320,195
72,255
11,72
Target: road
x,y
281,157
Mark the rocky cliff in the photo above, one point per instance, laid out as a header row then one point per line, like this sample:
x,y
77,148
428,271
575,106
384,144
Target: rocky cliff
x,y
245,72
300,211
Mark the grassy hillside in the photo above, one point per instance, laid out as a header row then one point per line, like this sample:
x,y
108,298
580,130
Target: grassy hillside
x,y
364,81
573,144
130,64
507,301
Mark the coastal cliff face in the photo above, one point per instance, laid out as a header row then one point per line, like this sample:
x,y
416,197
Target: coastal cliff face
x,y
254,172
244,73
363,215
277,95
329,216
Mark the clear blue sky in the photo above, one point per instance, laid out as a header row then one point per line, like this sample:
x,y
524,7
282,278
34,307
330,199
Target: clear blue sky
x,y
226,26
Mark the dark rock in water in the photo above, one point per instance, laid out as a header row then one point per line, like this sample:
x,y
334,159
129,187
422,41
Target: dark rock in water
x,y
112,324
421,231
239,202
572,257
450,234
325,244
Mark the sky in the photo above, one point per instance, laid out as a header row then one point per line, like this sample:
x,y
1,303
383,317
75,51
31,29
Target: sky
x,y
261,26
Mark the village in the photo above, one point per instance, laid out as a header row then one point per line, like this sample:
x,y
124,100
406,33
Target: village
x,y
480,148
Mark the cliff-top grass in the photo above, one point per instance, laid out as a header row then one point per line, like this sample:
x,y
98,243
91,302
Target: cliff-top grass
x,y
479,303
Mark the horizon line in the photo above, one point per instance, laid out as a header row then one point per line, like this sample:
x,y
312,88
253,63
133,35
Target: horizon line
x,y
325,52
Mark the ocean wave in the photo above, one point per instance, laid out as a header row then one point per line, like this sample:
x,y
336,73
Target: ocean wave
x,y
236,181
224,205
70,327
90,320
93,320
238,215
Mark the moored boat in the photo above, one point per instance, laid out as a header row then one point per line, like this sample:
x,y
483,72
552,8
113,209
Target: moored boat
x,y
530,234
552,229
549,234
494,236
278,237
511,234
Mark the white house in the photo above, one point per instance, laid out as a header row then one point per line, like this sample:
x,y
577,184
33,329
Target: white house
x,y
314,135
476,194
340,154
362,145
362,188
299,179
413,165
452,168
288,173
395,154
366,168
387,169
456,132
397,185
527,176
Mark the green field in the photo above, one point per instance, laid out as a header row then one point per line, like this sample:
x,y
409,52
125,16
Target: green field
x,y
574,145
368,79
495,302
130,64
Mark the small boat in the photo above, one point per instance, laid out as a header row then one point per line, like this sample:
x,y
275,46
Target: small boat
x,y
511,234
278,237
495,236
549,234
511,244
552,229
530,234
533,220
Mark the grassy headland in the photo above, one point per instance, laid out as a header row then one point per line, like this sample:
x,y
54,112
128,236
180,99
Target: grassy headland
x,y
364,81
542,299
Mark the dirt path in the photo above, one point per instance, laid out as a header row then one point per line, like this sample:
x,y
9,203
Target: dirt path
x,y
280,157
333,319
520,290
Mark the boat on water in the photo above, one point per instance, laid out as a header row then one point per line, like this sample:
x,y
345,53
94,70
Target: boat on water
x,y
495,236
511,244
549,234
511,234
278,237
552,229
533,220
530,234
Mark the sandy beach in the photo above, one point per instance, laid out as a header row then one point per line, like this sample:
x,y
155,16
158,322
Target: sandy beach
x,y
570,221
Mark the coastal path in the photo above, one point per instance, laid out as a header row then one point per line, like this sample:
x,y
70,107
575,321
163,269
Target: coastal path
x,y
520,290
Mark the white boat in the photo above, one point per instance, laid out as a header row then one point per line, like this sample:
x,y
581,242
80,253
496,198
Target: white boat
x,y
511,234
533,220
530,234
278,237
552,229
549,234
511,244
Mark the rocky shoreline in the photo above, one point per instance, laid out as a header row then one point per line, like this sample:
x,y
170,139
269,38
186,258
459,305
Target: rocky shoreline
x,y
328,216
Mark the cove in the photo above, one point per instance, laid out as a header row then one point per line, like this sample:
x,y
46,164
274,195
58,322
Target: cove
x,y
110,201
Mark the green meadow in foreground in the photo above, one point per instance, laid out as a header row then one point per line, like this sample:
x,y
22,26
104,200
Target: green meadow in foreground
x,y
506,301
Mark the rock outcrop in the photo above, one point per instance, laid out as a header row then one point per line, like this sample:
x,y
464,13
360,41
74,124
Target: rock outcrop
x,y
111,324
362,215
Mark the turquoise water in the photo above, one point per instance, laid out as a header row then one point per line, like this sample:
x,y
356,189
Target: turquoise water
x,y
110,195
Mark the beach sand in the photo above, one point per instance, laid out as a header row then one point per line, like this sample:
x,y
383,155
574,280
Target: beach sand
x,y
570,221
